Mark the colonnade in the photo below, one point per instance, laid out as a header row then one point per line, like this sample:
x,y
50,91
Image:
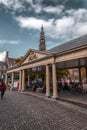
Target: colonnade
x,y
54,79
22,80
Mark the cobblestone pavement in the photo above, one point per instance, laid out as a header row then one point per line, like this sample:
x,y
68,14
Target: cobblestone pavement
x,y
22,112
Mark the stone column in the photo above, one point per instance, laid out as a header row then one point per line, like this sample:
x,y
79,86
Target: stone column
x,y
6,78
55,94
23,80
80,79
86,74
20,80
28,79
47,81
12,83
37,76
79,67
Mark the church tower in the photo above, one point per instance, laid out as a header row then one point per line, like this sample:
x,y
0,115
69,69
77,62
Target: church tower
x,y
42,45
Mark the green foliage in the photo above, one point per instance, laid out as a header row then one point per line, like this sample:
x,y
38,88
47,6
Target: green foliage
x,y
61,73
18,60
42,75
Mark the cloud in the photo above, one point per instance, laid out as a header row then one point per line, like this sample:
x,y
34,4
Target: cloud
x,y
29,1
56,27
36,5
72,25
13,4
2,56
13,42
22,6
80,29
80,14
64,24
50,9
80,21
33,23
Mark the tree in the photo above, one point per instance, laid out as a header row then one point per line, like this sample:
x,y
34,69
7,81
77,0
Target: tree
x,y
83,71
18,60
62,73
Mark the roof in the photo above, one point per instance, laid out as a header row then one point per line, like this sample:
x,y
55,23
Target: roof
x,y
2,63
11,60
47,53
78,42
41,52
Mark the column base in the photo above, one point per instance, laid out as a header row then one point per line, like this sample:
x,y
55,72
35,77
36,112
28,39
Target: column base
x,y
48,95
22,90
19,90
55,97
11,88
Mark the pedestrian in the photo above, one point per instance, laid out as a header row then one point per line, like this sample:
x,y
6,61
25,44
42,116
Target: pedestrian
x,y
70,81
2,88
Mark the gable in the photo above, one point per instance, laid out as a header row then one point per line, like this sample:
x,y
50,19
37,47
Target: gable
x,y
33,55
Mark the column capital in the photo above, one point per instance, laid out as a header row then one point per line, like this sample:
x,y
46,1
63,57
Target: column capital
x,y
47,64
53,63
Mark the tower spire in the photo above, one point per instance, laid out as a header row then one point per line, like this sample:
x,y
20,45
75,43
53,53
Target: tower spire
x,y
42,45
42,30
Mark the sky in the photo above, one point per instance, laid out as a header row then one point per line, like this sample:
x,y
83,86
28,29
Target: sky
x,y
21,21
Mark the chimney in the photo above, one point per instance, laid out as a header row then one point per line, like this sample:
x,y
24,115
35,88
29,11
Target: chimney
x,y
6,57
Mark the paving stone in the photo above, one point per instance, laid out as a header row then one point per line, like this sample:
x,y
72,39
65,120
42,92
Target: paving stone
x,y
23,112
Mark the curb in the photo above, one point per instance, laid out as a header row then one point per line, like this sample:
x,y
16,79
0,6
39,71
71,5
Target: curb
x,y
60,99
74,102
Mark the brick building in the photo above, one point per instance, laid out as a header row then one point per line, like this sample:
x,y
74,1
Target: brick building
x,y
5,64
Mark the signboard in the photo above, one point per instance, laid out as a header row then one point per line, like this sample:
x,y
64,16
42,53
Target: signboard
x,y
16,84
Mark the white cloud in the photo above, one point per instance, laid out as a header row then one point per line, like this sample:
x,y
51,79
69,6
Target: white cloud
x,y
72,25
33,23
64,24
30,1
2,56
80,14
5,2
17,5
80,19
80,29
37,8
51,9
36,5
8,42
12,4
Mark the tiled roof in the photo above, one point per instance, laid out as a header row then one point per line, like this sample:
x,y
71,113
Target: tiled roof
x,y
11,60
81,41
2,63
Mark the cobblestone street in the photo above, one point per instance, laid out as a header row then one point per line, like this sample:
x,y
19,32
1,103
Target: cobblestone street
x,y
24,112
